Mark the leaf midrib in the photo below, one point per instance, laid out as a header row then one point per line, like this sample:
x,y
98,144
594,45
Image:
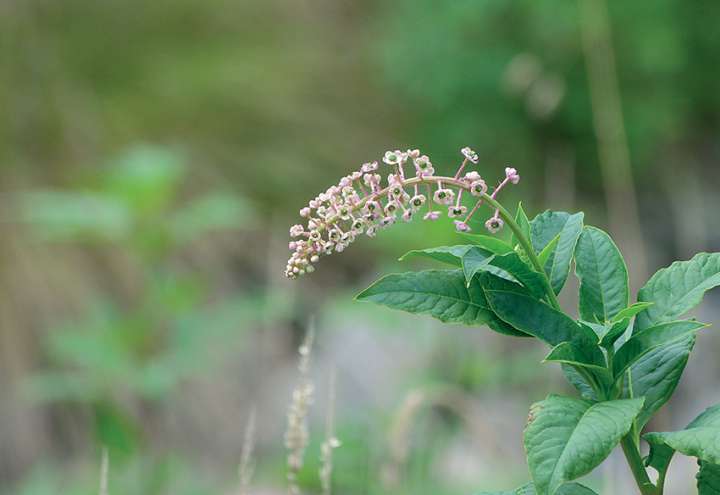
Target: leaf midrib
x,y
427,293
564,450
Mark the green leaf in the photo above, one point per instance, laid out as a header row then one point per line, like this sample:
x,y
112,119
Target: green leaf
x,y
523,222
708,479
700,439
529,489
493,244
452,255
544,255
603,276
62,216
442,294
567,353
567,438
677,289
613,332
656,375
543,229
631,311
579,382
651,338
477,260
211,213
540,320
507,263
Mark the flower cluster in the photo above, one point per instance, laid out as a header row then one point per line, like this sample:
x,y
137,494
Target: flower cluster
x,y
362,203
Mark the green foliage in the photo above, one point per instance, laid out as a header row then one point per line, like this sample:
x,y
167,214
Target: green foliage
x,y
656,375
603,276
645,341
543,230
567,438
529,489
700,439
624,376
138,350
477,260
677,289
452,255
443,294
523,222
492,244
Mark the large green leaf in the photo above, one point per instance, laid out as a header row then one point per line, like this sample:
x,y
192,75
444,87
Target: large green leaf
x,y
442,294
603,276
452,255
675,290
492,244
696,440
509,263
708,479
529,489
567,438
656,375
651,338
540,320
543,229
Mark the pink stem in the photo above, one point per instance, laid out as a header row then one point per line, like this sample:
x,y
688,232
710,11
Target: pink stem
x,y
472,212
462,167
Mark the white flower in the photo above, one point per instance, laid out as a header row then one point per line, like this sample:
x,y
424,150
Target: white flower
x,y
469,154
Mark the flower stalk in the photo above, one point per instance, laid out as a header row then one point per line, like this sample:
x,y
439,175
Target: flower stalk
x,y
360,204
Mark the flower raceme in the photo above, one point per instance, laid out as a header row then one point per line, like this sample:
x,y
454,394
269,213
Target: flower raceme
x,y
360,203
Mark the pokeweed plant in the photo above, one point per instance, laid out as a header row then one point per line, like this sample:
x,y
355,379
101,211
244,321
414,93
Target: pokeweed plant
x,y
624,359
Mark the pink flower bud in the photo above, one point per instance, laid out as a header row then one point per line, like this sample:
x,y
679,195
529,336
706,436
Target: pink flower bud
x,y
462,226
444,196
296,230
494,225
456,211
392,157
432,215
469,154
416,202
512,175
478,188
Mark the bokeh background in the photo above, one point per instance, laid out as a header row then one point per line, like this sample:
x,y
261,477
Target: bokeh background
x,y
154,154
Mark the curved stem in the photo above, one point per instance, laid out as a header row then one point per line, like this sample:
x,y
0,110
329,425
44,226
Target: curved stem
x,y
527,247
488,200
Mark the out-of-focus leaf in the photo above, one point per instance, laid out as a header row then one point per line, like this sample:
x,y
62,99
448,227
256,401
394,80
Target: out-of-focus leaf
x,y
214,212
146,178
63,216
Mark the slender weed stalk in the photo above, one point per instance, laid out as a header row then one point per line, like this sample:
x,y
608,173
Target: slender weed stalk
x,y
331,441
104,471
246,468
297,433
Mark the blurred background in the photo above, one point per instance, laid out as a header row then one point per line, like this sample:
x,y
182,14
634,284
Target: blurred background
x,y
154,154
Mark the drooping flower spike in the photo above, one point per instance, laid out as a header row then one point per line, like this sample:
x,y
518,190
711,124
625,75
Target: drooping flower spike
x,y
360,204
